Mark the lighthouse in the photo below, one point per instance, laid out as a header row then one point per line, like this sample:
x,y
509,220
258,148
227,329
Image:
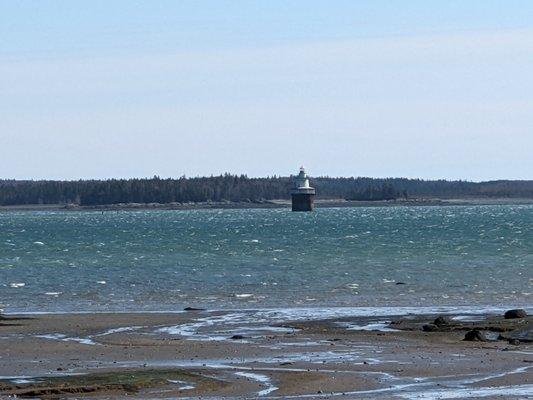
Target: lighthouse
x,y
303,195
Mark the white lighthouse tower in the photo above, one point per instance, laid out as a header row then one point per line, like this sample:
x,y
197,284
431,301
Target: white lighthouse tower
x,y
303,195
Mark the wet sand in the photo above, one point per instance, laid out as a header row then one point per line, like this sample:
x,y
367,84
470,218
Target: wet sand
x,y
234,354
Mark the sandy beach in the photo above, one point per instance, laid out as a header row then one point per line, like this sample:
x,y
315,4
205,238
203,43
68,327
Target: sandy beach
x,y
250,354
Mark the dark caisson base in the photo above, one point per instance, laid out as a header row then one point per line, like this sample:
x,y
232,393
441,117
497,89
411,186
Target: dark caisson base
x,y
303,202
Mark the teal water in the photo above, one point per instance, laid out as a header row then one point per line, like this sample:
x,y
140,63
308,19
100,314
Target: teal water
x,y
167,260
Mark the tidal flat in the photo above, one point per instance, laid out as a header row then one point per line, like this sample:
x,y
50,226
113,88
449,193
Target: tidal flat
x,y
265,354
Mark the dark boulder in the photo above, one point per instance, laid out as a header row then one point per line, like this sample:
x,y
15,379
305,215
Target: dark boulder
x,y
518,313
442,320
475,335
430,328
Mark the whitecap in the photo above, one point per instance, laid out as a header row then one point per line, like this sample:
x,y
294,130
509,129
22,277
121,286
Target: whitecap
x,y
353,286
244,295
17,284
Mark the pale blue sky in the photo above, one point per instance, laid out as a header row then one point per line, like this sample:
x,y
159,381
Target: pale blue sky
x,y
429,89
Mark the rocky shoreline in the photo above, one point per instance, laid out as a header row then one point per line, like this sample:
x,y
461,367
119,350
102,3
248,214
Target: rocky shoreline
x,y
514,327
320,203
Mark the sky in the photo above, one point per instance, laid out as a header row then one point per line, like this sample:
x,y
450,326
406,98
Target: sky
x,y
125,88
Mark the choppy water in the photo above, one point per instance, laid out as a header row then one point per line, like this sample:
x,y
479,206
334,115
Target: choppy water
x,y
167,260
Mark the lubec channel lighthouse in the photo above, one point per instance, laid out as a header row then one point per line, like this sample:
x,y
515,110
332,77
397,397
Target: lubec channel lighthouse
x,y
303,195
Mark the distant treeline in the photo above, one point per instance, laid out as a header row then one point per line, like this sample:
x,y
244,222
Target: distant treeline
x,y
243,189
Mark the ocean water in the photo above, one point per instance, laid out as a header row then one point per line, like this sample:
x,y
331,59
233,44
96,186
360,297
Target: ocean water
x,y
480,256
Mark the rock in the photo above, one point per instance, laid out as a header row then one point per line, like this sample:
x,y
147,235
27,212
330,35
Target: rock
x,y
193,309
514,342
430,328
286,363
524,334
237,337
518,313
475,335
442,320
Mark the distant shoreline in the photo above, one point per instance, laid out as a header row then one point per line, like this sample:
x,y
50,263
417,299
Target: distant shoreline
x,y
319,203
